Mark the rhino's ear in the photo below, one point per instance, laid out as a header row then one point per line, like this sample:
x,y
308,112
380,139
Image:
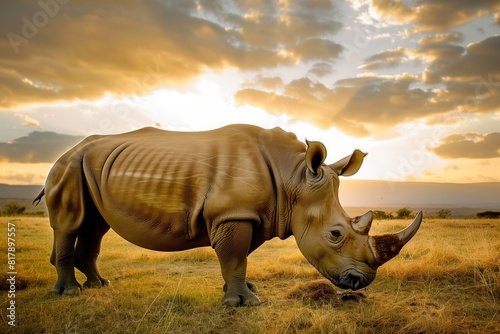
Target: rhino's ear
x,y
315,156
349,165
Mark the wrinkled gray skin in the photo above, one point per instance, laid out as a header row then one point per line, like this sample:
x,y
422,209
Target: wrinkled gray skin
x,y
232,189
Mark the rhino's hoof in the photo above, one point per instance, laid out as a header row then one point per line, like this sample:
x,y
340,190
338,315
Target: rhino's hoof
x,y
231,302
69,291
90,285
96,284
235,301
72,291
253,301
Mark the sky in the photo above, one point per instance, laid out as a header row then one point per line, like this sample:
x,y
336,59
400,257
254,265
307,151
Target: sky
x,y
415,83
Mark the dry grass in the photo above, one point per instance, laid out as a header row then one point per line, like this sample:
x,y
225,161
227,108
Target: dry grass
x,y
446,280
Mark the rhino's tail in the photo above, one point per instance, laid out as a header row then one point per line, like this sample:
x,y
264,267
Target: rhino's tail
x,y
39,197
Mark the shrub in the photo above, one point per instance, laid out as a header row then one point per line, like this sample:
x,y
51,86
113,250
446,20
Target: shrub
x,y
404,213
381,215
13,209
444,214
489,214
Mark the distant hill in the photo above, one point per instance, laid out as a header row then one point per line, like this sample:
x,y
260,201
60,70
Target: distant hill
x,y
22,195
465,199
419,194
9,191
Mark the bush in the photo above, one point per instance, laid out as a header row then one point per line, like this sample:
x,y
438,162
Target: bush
x,y
381,215
404,213
443,214
13,209
489,214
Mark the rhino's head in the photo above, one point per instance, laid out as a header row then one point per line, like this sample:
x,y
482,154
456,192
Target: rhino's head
x,y
337,245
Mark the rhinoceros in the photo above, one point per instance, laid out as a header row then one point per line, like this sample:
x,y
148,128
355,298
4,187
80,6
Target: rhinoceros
x,y
231,188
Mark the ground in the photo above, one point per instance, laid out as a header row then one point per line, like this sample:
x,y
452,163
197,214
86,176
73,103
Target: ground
x,y
446,280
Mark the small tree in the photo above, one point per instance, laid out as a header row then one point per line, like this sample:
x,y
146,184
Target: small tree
x,y
444,214
404,213
381,215
13,209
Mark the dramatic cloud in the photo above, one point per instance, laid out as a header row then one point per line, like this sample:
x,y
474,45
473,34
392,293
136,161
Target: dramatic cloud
x,y
432,15
321,69
158,44
397,100
316,49
479,59
29,121
84,49
469,79
471,75
437,54
37,147
385,59
408,71
271,83
349,105
270,24
307,101
469,145
441,38
305,107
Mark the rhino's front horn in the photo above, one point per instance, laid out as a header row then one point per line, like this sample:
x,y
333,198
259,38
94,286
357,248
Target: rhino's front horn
x,y
387,246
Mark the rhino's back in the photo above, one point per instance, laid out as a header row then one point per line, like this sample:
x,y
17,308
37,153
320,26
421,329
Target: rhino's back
x,y
160,185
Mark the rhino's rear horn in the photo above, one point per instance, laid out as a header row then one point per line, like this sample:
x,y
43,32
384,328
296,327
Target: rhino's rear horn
x,y
387,246
363,223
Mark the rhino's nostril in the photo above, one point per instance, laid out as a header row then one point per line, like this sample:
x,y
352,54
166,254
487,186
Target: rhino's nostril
x,y
354,281
351,281
357,284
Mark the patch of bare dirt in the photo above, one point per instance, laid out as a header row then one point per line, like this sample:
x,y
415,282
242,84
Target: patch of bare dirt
x,y
324,292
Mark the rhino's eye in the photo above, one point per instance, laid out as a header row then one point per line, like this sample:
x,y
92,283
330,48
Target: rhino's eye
x,y
336,235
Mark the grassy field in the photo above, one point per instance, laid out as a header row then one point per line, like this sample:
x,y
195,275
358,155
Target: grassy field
x,y
446,280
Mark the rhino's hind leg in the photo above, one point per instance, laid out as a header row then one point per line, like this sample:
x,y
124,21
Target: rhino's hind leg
x,y
87,250
63,258
232,243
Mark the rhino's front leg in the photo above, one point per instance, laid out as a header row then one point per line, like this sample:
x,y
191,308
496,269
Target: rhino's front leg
x,y
232,243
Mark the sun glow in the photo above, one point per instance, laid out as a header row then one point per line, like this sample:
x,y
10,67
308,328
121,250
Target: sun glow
x,y
21,173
